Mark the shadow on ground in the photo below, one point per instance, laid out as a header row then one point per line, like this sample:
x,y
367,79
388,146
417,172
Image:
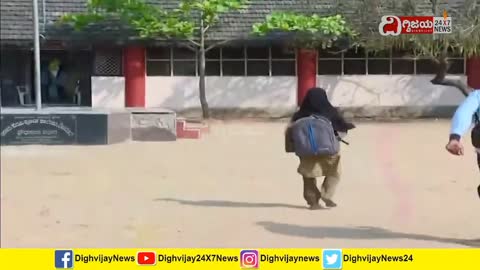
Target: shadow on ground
x,y
363,232
213,203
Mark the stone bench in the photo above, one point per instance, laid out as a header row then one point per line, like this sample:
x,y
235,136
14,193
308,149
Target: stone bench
x,y
150,124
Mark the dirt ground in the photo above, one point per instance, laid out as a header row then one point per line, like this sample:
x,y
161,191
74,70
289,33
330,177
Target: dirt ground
x,y
237,188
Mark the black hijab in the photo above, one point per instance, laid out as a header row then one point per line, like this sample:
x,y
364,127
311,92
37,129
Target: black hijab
x,y
316,103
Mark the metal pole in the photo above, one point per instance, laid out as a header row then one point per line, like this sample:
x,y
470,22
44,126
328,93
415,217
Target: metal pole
x,y
36,42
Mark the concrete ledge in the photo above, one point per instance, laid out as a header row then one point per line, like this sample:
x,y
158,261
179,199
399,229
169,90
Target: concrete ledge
x,y
153,124
370,112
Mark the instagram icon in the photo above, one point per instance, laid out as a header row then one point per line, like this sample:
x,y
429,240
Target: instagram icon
x,y
249,259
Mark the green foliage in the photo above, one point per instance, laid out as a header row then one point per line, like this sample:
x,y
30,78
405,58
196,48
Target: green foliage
x,y
308,30
210,10
147,20
150,21
80,21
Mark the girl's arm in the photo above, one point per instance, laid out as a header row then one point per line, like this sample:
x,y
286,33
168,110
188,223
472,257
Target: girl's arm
x,y
462,120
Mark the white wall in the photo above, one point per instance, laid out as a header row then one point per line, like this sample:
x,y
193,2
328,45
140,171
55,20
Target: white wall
x,y
278,93
108,92
274,92
386,90
223,92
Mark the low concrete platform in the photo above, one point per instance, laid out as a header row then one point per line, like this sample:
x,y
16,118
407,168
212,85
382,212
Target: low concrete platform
x,y
153,124
64,126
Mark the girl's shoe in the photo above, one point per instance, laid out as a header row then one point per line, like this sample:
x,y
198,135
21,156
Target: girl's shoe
x,y
315,207
329,203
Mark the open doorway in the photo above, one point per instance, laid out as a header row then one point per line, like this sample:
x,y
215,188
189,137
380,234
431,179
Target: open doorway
x,y
66,78
15,75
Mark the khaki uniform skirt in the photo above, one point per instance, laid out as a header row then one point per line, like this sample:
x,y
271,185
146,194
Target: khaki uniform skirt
x,y
319,166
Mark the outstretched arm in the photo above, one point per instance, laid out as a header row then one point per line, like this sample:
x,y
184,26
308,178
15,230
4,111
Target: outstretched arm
x,y
462,120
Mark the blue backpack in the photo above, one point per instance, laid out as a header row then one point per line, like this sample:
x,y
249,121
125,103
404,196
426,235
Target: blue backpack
x,y
314,136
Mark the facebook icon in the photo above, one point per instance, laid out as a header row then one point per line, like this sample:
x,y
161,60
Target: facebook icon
x,y
64,259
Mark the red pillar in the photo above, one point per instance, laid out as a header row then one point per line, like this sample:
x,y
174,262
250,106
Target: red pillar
x,y
473,72
306,72
134,70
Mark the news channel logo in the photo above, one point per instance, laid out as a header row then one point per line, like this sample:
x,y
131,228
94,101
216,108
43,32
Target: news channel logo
x,y
249,259
332,259
63,259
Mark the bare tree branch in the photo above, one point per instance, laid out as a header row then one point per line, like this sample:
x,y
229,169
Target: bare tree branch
x,y
470,29
194,42
206,29
191,47
440,77
425,50
218,44
462,87
338,52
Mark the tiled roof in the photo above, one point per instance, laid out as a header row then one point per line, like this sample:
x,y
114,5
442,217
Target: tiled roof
x,y
16,15
15,19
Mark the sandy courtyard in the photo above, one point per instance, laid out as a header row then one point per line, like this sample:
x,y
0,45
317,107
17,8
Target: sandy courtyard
x,y
237,188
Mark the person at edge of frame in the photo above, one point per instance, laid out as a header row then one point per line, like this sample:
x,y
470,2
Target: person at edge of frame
x,y
468,113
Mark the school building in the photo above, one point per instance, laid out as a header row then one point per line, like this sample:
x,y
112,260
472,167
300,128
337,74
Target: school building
x,y
107,67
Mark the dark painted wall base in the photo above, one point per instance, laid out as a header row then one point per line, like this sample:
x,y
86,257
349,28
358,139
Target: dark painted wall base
x,y
402,112
55,126
370,112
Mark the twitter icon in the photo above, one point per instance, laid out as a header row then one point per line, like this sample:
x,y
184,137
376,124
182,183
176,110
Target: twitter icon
x,y
332,259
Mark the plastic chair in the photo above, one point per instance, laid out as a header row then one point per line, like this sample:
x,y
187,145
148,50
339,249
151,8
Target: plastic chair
x,y
24,95
77,96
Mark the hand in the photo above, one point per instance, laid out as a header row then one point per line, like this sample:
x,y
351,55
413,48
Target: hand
x,y
350,126
455,147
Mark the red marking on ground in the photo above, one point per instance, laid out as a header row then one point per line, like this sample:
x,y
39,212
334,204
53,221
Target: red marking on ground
x,y
400,190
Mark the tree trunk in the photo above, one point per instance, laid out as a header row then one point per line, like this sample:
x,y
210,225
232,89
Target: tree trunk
x,y
201,73
440,77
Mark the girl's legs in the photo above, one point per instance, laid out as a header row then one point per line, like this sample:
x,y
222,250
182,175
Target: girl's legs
x,y
311,194
328,190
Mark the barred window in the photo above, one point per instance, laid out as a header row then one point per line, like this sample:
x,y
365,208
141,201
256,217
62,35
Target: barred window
x,y
355,62
159,61
184,61
330,62
108,62
222,61
233,61
386,62
258,63
213,64
281,61
378,62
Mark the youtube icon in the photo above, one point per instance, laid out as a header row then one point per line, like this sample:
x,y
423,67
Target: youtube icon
x,y
146,258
